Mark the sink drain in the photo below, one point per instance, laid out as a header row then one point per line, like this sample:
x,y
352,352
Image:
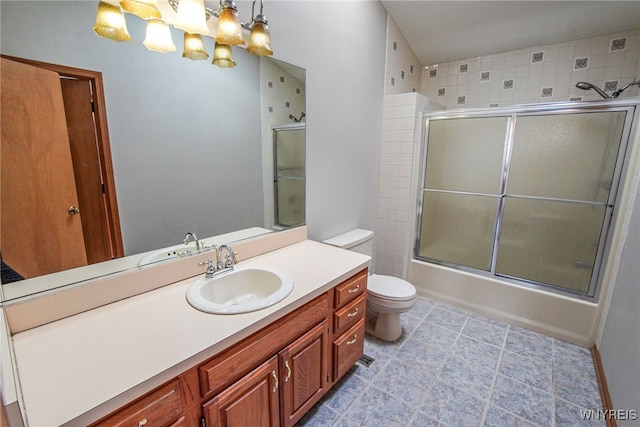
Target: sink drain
x,y
366,361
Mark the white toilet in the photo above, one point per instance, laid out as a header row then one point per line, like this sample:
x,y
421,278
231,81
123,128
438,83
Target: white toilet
x,y
387,296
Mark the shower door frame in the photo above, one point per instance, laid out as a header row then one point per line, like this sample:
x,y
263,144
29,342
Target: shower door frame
x,y
512,112
274,132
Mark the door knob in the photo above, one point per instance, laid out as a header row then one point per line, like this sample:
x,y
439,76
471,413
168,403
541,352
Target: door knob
x,y
74,210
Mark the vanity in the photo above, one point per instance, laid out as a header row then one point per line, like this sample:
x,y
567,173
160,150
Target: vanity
x,y
152,359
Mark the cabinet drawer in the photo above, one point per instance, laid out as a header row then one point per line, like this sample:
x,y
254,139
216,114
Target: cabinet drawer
x,y
349,314
350,289
161,407
347,349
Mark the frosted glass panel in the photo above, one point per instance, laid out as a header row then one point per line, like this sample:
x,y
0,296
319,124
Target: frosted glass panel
x,y
458,228
290,152
290,202
567,156
550,242
466,154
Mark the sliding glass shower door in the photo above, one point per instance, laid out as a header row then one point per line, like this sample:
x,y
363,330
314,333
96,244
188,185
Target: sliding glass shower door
x,y
525,195
289,175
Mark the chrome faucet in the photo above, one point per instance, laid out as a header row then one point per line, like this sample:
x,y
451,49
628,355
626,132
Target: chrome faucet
x,y
219,266
191,237
230,257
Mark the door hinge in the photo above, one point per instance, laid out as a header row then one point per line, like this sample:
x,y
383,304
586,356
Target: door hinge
x,y
93,106
203,422
104,189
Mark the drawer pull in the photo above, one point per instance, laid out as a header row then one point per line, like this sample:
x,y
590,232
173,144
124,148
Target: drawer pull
x,y
275,377
286,365
142,422
353,341
354,290
354,313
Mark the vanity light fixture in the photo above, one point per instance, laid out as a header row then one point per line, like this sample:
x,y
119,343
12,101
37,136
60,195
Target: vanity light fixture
x,y
194,47
222,56
110,23
158,36
191,17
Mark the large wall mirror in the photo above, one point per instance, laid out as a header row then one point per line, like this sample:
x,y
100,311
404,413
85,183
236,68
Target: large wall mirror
x,y
191,144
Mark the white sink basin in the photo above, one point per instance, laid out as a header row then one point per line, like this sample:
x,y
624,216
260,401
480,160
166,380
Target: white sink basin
x,y
240,291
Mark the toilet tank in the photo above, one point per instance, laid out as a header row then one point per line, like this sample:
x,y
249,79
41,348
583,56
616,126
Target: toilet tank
x,y
357,240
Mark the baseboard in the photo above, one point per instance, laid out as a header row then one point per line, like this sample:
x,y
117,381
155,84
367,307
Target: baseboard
x,y
607,405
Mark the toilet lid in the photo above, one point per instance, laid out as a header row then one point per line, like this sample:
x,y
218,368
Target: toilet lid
x,y
390,287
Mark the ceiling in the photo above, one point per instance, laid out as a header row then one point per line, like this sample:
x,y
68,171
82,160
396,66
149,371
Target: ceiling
x,y
441,31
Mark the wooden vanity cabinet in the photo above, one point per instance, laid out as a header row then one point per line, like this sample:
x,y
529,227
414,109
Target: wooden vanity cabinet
x,y
271,378
161,407
304,371
250,401
349,304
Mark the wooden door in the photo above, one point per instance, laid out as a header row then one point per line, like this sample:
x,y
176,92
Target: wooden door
x,y
78,107
251,401
38,234
304,373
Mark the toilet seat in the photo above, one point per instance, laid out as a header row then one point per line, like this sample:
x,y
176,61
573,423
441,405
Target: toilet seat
x,y
390,288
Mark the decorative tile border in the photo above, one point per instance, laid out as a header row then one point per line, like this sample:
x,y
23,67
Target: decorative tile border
x,y
546,92
537,57
617,45
464,68
433,73
462,100
442,91
610,86
485,76
507,84
581,63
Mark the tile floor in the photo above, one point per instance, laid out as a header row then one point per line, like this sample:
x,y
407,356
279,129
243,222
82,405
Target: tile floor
x,y
455,368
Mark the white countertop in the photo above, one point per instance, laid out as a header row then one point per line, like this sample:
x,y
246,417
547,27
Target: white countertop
x,y
68,369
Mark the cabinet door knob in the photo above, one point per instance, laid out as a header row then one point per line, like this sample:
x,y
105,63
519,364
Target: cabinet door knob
x,y
354,290
275,377
142,422
353,341
353,313
286,365
73,210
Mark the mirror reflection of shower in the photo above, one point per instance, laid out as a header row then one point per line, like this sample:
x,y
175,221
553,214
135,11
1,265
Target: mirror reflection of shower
x,y
295,119
289,151
602,93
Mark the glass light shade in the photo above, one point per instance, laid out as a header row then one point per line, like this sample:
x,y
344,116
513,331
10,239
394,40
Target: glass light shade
x,y
110,23
145,9
191,17
222,56
229,29
158,36
194,47
260,38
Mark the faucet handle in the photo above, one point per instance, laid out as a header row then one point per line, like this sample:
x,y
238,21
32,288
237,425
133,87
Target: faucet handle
x,y
211,269
231,259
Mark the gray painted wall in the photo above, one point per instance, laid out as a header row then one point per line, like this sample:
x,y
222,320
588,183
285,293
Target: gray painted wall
x,y
620,343
185,136
342,47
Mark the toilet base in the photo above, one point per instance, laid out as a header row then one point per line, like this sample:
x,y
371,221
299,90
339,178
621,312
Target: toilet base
x,y
385,326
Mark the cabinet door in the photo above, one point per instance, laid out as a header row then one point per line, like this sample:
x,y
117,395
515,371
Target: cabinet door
x,y
251,401
304,373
